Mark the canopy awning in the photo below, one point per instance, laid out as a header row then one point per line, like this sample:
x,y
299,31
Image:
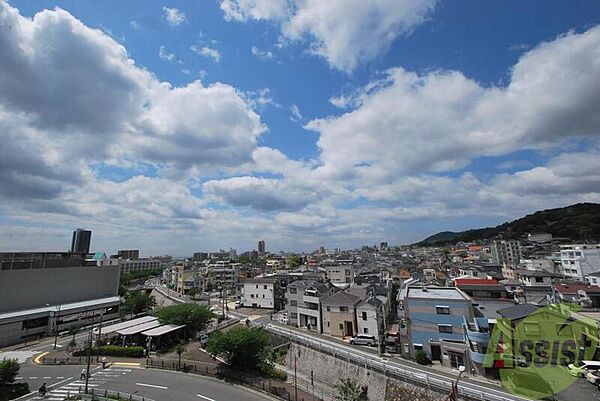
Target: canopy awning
x,y
159,331
138,328
123,325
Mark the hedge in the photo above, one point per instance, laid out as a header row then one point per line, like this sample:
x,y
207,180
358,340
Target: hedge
x,y
114,350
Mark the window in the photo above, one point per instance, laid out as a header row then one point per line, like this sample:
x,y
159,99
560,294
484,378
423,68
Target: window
x,y
343,309
251,295
341,326
444,328
328,309
327,324
293,290
539,279
293,303
257,286
263,295
294,315
366,330
364,316
264,287
442,310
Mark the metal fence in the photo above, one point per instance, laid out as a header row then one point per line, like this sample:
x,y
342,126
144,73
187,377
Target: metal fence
x,y
431,381
102,395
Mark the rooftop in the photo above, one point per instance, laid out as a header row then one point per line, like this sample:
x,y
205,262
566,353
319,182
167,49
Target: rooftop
x,y
436,292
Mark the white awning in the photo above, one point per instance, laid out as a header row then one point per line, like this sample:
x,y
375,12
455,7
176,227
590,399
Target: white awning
x,y
159,331
138,328
123,325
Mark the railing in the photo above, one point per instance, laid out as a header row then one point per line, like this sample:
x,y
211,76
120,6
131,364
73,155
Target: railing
x,y
414,376
95,394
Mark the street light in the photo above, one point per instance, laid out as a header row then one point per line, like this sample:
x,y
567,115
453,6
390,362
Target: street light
x,y
453,396
56,316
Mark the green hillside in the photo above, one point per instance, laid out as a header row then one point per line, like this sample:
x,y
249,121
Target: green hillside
x,y
580,222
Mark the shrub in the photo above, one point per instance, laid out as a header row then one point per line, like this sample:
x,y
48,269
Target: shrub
x,y
114,350
421,357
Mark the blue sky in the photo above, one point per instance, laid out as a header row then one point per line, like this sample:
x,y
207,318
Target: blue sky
x,y
181,126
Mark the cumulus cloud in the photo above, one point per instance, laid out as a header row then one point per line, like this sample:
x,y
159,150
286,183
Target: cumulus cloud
x,y
439,121
173,16
261,54
259,193
165,55
344,32
206,51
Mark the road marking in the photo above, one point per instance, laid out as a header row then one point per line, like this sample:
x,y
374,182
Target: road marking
x,y
60,377
125,364
206,398
38,358
153,386
46,377
33,377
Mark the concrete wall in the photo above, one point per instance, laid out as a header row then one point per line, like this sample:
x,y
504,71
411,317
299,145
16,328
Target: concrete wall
x,y
23,289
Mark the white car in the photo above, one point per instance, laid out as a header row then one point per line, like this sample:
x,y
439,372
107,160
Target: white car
x,y
592,377
363,339
583,368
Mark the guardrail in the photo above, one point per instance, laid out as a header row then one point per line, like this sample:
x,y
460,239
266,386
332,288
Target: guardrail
x,y
422,379
102,395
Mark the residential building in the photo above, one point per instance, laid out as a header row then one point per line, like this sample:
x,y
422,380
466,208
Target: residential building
x,y
340,274
129,254
227,277
535,277
138,265
442,322
541,238
263,292
537,264
339,314
580,260
303,300
199,256
583,294
81,241
261,247
188,279
481,288
506,252
370,317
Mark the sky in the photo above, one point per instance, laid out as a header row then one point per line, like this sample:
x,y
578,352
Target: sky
x,y
182,126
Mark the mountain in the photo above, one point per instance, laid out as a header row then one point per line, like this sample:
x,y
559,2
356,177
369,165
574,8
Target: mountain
x,y
579,222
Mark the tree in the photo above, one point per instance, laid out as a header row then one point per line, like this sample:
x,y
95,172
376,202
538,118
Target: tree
x,y
242,346
179,350
350,390
421,357
195,317
138,302
294,261
8,374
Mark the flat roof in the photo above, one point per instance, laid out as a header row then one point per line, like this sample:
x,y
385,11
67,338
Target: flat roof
x,y
123,325
436,293
160,330
138,328
63,307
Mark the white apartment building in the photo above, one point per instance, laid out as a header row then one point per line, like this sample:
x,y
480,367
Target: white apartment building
x,y
259,293
580,260
340,274
537,264
137,265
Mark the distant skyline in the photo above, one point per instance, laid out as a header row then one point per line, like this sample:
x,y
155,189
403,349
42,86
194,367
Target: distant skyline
x,y
177,126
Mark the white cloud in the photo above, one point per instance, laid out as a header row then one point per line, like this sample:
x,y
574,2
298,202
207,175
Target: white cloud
x,y
135,25
263,55
243,10
165,55
173,16
207,52
296,115
344,32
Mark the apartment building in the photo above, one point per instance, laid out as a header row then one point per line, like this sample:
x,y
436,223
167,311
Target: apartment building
x,y
138,265
506,252
263,292
580,260
340,274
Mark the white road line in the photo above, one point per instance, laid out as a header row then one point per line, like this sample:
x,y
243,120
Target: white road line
x,y
204,397
32,377
152,385
60,377
47,377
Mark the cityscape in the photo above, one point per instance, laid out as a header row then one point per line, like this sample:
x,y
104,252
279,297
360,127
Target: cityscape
x,y
299,200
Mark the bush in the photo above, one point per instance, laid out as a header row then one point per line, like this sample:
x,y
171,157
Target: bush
x,y
421,357
114,350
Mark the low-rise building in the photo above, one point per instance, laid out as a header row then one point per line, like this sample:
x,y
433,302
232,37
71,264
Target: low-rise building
x,y
580,260
263,292
340,274
303,300
138,265
339,314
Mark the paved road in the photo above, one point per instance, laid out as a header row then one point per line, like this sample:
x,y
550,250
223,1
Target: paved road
x,y
152,384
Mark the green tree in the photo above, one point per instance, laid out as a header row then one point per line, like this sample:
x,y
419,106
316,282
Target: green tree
x,y
294,260
195,317
421,357
9,369
138,302
350,390
243,347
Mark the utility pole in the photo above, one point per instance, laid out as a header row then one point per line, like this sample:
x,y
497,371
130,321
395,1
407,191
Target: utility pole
x,y
26,329
98,340
89,356
296,356
56,316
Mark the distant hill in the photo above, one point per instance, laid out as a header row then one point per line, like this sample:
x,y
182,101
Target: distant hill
x,y
580,222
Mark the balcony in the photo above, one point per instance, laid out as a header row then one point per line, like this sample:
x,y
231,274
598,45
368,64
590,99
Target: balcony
x,y
309,299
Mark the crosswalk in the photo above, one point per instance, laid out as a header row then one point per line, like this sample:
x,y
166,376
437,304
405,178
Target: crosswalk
x,y
20,356
98,380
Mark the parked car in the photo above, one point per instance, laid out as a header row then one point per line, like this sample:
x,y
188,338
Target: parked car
x,y
238,304
203,340
363,339
592,377
582,369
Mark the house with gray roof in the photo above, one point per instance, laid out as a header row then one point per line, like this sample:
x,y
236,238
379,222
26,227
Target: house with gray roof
x,y
303,303
339,314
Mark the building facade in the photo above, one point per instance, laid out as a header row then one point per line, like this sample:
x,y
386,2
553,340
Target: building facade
x,y
506,252
262,292
81,241
580,260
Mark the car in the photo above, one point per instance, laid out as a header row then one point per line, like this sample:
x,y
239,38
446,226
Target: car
x,y
203,340
363,339
238,304
592,377
581,369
